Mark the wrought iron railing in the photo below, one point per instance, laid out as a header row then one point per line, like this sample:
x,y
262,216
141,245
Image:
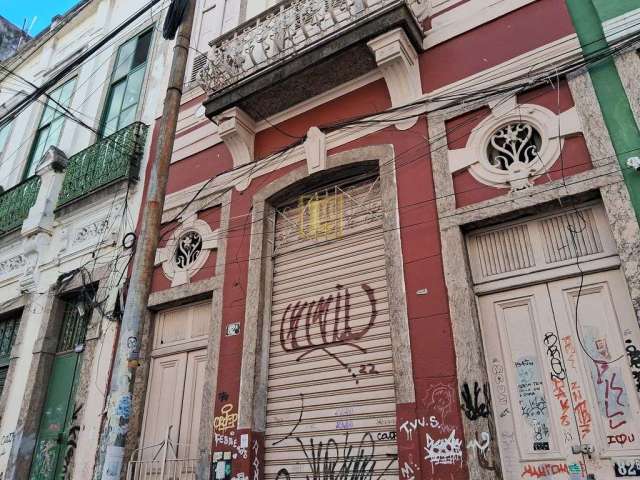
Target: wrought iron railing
x,y
284,31
162,461
113,158
16,202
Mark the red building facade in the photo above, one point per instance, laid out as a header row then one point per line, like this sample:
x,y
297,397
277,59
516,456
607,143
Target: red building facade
x,y
364,245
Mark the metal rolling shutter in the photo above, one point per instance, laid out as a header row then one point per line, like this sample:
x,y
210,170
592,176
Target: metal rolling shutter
x,y
330,383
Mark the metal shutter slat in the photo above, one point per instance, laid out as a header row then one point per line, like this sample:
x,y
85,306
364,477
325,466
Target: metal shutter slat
x,y
315,369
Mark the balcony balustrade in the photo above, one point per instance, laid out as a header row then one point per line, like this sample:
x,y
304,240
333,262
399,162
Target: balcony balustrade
x,y
113,158
16,202
285,31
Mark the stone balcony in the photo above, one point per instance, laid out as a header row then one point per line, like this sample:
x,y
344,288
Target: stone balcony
x,y
299,49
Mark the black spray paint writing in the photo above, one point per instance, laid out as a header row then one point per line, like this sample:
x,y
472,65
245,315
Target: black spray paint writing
x,y
71,441
297,423
345,461
555,356
473,406
634,361
299,319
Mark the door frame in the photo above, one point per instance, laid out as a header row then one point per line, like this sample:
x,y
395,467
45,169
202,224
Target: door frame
x,y
254,370
46,311
464,311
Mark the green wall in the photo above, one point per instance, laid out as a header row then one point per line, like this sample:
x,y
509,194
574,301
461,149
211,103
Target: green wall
x,y
612,97
608,9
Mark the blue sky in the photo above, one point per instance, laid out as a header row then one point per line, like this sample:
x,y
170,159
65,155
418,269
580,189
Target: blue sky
x,y
42,10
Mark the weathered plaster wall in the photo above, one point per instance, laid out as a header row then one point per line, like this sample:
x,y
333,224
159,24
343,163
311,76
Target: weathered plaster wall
x,y
11,37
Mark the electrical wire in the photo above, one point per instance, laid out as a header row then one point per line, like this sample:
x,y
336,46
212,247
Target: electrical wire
x,y
88,97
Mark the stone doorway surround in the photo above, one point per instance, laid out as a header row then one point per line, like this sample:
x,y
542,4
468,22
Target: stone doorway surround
x,y
603,181
253,381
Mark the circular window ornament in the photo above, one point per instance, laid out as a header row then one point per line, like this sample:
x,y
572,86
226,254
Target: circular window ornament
x,y
186,251
511,150
512,145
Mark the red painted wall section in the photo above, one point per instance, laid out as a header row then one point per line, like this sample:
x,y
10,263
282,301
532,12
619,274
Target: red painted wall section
x,y
495,42
160,281
199,168
366,100
573,159
432,347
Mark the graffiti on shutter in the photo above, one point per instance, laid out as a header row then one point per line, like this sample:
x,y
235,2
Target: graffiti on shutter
x,y
331,400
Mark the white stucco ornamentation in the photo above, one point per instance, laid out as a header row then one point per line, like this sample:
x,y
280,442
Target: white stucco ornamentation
x,y
398,62
187,250
315,149
514,144
90,232
238,131
12,265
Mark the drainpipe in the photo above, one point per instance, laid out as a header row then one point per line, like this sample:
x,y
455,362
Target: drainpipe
x,y
614,104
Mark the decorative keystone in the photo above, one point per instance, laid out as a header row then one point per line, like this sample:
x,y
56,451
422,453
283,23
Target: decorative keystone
x,y
398,62
315,148
238,132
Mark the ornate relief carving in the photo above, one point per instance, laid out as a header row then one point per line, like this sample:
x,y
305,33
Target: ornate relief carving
x,y
186,251
11,265
90,232
514,145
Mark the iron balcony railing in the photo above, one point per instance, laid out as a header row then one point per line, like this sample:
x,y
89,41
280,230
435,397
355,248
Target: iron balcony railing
x,y
113,158
284,31
16,202
163,461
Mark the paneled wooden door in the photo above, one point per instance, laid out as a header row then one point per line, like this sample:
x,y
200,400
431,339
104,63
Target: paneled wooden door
x,y
174,399
564,378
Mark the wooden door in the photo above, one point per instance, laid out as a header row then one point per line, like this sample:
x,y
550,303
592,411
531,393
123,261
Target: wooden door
x,y
48,461
563,393
164,401
174,399
192,404
601,348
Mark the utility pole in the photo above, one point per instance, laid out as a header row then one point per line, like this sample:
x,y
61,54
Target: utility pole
x,y
127,354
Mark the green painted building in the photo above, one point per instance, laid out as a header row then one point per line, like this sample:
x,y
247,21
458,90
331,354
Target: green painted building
x,y
603,26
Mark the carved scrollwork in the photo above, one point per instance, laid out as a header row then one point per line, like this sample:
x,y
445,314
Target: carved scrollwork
x,y
277,34
188,249
11,265
512,144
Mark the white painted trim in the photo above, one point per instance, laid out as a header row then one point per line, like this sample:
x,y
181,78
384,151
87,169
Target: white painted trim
x,y
199,139
468,16
521,280
532,61
238,132
398,61
619,27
